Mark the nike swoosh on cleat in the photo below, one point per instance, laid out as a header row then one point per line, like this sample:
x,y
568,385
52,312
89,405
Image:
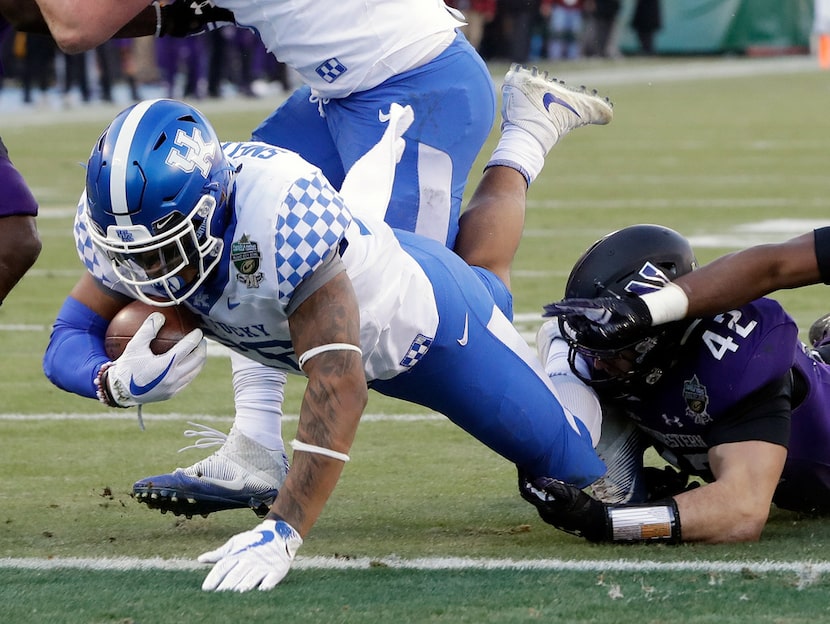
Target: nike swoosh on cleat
x,y
549,98
138,389
463,340
237,484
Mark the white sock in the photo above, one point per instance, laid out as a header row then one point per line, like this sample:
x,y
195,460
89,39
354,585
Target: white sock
x,y
520,150
258,396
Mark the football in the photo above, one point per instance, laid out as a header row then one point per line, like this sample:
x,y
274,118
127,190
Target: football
x,y
179,322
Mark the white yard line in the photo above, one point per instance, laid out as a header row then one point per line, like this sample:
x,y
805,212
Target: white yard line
x,y
434,563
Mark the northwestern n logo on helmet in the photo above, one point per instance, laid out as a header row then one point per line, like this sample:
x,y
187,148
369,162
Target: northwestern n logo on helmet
x,y
652,279
196,155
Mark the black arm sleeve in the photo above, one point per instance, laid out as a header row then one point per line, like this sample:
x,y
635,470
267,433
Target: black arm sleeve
x,y
822,244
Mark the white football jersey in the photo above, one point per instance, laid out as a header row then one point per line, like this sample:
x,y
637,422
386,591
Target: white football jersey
x,y
343,46
286,220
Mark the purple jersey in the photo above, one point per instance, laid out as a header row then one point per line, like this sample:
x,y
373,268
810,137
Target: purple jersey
x,y
805,483
743,375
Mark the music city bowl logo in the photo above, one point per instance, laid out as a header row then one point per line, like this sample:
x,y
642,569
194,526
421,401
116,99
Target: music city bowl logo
x,y
697,401
246,257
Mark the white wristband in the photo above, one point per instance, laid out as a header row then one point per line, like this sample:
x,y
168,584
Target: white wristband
x,y
670,303
318,450
334,346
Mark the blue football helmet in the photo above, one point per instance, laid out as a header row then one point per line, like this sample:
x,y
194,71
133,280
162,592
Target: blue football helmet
x,y
634,260
157,186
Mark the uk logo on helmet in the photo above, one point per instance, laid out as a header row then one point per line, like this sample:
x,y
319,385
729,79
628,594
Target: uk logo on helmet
x,y
197,154
125,236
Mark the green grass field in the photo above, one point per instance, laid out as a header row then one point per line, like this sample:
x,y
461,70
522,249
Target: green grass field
x,y
426,524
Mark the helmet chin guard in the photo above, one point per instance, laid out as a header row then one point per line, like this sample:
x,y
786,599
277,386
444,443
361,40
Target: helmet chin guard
x,y
157,187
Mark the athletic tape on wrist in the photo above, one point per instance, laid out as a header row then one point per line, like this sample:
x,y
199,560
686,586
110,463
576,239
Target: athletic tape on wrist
x,y
334,346
102,389
670,303
658,522
318,450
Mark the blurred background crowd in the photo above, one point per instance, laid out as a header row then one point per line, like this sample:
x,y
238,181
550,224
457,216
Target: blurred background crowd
x,y
233,60
229,60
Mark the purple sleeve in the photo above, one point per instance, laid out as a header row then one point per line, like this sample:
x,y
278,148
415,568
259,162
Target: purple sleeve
x,y
16,198
746,349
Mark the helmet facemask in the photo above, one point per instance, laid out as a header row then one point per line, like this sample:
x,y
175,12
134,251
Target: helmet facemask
x,y
174,262
633,368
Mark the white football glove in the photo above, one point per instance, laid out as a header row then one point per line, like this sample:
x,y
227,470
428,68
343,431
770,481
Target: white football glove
x,y
259,558
139,376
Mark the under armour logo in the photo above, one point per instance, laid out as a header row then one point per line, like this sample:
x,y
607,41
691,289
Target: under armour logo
x,y
197,154
198,6
672,420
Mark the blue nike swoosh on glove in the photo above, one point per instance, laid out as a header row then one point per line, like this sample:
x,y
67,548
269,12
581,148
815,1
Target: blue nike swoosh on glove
x,y
550,98
138,389
267,536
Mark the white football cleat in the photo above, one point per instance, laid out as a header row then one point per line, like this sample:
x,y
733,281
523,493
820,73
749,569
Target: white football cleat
x,y
547,108
241,474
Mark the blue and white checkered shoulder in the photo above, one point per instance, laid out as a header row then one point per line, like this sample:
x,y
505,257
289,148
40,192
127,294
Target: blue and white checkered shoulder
x,y
308,231
93,260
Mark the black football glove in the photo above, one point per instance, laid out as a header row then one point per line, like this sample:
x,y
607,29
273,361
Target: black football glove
x,y
662,483
192,17
566,507
604,323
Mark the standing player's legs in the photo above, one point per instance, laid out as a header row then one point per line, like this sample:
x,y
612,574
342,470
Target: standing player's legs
x,y
298,126
479,372
19,241
537,111
453,99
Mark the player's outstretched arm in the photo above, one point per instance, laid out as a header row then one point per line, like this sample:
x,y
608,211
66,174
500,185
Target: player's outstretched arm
x,y
743,276
723,284
325,333
80,25
733,508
